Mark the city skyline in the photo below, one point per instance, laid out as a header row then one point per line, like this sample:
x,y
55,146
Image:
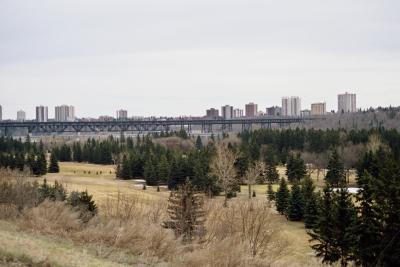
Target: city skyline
x,y
290,107
145,56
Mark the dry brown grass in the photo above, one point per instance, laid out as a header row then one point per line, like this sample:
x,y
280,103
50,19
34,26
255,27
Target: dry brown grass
x,y
16,193
51,217
247,233
128,230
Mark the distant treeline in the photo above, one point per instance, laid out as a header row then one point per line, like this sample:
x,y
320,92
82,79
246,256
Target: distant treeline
x,y
142,157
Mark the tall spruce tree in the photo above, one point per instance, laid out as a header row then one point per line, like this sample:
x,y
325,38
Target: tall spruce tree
x,y
295,168
272,174
163,169
336,173
125,171
40,164
282,197
311,211
186,213
344,226
150,172
53,167
295,207
369,226
323,234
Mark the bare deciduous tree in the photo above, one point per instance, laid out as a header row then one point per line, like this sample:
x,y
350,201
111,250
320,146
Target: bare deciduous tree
x,y
223,167
351,154
253,174
317,161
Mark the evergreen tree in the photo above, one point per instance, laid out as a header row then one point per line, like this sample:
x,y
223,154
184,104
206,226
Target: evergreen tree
x,y
77,152
31,162
84,203
163,169
369,226
270,193
186,213
20,161
53,167
282,197
324,233
336,173
199,143
272,174
307,189
311,212
295,168
295,207
150,172
125,171
344,223
40,165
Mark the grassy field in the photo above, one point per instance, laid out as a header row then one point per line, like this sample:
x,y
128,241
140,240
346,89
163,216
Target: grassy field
x,y
28,249
97,180
103,185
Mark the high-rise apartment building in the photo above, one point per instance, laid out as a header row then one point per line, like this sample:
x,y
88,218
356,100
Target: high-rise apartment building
x,y
122,114
41,114
212,113
227,112
237,113
291,106
305,113
347,103
318,109
251,110
21,115
274,111
64,113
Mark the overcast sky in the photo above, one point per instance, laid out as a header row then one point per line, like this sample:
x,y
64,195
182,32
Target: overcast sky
x,y
159,57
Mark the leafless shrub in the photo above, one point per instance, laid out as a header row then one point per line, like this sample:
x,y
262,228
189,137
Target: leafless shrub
x,y
16,190
252,222
51,217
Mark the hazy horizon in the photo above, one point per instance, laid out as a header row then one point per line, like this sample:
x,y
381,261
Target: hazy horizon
x,y
181,57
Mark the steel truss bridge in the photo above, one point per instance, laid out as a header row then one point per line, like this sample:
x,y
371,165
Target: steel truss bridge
x,y
157,125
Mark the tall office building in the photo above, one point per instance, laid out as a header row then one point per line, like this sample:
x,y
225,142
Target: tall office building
x,y
1,113
291,106
122,114
227,112
318,109
237,113
21,115
274,111
347,103
41,114
212,113
305,113
64,113
251,110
